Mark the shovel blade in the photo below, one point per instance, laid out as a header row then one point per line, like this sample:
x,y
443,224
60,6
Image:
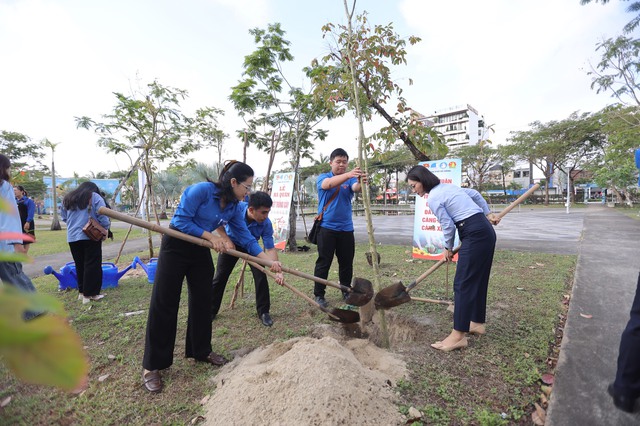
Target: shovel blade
x,y
345,316
394,295
361,292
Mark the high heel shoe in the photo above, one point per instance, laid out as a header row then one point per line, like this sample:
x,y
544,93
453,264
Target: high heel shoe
x,y
463,343
478,329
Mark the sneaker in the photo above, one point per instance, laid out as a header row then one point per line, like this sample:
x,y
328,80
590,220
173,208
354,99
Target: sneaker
x,y
321,301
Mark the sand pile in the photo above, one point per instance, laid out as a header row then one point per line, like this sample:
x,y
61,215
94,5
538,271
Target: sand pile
x,y
309,381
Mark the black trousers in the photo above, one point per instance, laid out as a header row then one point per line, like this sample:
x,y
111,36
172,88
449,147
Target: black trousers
x,y
178,260
225,266
343,245
628,374
87,256
473,270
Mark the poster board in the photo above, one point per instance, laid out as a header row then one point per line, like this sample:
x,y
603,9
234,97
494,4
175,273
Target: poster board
x,y
428,238
282,196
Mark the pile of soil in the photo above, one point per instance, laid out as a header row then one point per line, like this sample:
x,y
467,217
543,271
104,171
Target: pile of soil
x,y
309,381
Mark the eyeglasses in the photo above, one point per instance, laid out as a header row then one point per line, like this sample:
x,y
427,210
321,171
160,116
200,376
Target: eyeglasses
x,y
248,188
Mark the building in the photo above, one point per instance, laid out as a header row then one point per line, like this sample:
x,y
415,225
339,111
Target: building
x,y
460,125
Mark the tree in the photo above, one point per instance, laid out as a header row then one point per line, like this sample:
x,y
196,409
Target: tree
x,y
55,223
615,167
617,71
205,126
150,122
277,122
539,147
20,150
633,8
387,164
373,51
477,160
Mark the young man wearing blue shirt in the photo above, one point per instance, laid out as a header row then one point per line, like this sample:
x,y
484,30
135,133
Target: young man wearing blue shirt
x,y
335,236
255,214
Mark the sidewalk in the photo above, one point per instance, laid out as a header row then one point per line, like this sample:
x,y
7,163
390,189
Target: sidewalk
x,y
604,287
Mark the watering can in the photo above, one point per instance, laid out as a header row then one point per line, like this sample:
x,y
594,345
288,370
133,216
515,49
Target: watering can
x,y
68,276
149,268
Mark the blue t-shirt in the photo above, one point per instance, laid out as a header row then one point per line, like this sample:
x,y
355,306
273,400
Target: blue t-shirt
x,y
262,230
199,211
451,204
77,219
338,216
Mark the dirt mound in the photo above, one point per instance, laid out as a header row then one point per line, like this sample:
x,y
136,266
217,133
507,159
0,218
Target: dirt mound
x,y
309,381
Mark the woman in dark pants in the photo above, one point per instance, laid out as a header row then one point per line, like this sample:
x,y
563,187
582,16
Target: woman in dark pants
x,y
466,210
77,206
204,208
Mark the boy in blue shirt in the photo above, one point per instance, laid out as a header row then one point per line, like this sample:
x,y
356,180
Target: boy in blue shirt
x,y
335,235
255,214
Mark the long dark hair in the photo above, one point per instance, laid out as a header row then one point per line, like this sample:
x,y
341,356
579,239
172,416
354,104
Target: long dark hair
x,y
424,176
5,165
232,170
80,197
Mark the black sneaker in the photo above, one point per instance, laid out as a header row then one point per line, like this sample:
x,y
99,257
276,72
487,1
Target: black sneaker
x,y
321,301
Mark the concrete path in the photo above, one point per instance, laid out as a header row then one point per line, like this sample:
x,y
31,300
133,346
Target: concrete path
x,y
603,290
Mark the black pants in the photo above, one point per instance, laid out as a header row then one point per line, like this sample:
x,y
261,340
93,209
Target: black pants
x,y
179,259
225,266
343,245
628,374
87,256
472,272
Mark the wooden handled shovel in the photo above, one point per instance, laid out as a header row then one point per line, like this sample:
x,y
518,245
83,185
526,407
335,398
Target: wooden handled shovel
x,y
397,294
360,292
335,314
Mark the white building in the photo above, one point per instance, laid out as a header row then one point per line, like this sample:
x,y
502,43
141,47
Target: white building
x,y
460,125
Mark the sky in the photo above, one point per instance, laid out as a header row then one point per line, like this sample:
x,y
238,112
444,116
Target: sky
x,y
514,61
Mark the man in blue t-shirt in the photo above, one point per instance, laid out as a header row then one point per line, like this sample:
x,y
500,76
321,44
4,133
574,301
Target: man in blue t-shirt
x,y
256,213
335,236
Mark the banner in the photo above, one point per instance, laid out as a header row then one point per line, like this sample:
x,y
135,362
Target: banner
x,y
428,239
281,194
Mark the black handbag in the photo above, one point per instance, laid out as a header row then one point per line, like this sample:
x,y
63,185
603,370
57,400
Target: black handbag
x,y
313,233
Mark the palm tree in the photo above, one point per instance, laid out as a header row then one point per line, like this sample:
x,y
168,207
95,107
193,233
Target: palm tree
x,y
55,224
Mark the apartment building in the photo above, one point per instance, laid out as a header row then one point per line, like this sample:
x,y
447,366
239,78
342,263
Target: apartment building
x,y
460,125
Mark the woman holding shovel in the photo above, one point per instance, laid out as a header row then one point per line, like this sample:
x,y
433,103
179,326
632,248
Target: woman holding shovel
x,y
204,208
466,210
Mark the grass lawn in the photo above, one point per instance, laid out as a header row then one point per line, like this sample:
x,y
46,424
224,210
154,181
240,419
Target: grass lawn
x,y
494,381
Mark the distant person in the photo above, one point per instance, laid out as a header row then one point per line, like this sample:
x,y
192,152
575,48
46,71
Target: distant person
x,y
204,208
77,206
466,210
335,236
27,209
11,273
256,216
625,390
604,196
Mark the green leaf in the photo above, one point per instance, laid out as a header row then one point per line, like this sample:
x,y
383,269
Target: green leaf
x,y
55,359
45,350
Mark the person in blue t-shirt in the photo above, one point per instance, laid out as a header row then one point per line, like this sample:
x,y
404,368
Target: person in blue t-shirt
x,y
466,210
255,214
204,208
335,236
27,209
